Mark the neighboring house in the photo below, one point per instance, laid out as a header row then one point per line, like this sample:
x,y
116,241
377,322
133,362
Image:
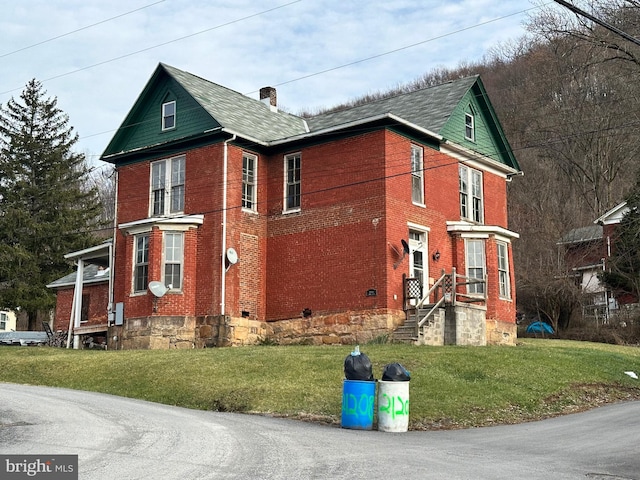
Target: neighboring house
x,y
7,321
87,314
586,252
250,223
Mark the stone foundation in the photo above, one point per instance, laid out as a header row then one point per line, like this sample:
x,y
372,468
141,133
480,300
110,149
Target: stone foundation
x,y
501,333
432,332
345,328
462,325
166,332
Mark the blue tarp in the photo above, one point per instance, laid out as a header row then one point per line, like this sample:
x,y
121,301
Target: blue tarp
x,y
540,327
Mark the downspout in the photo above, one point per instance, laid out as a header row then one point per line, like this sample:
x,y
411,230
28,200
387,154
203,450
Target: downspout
x,y
223,277
112,258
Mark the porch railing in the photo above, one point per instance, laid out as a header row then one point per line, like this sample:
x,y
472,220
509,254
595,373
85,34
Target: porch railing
x,y
448,289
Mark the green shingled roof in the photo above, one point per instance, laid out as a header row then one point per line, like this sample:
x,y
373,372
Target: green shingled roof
x,y
246,116
203,106
429,108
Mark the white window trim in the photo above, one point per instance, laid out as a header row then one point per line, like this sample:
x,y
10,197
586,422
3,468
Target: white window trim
x,y
135,263
180,262
286,184
469,193
165,116
418,174
506,271
168,187
484,266
254,199
469,123
414,246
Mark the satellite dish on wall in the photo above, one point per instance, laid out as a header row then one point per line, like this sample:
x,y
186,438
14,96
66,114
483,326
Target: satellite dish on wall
x,y
232,256
158,289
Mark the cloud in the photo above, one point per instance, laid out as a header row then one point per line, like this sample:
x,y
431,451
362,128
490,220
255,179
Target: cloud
x,y
98,72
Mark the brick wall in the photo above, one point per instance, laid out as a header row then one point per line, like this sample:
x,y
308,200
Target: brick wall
x,y
98,297
355,208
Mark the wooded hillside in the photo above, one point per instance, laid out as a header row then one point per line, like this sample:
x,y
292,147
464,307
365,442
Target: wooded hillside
x,y
568,98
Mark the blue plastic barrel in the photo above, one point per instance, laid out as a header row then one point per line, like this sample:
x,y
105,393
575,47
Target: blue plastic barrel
x,y
358,404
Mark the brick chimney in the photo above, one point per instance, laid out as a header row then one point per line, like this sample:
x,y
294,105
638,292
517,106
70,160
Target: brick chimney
x,y
268,96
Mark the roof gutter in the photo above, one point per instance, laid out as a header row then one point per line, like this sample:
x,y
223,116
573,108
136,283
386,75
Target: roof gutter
x,y
356,123
473,155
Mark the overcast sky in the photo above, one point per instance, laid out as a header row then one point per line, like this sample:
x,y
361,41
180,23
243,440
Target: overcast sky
x,y
97,56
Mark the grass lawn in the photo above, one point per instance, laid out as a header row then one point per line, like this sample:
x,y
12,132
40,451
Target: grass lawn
x,y
451,387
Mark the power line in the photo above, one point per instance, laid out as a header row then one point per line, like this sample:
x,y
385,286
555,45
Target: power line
x,y
79,29
600,22
130,54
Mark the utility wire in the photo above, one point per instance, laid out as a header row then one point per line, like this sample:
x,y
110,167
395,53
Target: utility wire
x,y
600,22
130,54
79,30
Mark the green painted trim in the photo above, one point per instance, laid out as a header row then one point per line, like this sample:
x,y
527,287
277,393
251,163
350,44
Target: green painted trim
x,y
490,139
142,127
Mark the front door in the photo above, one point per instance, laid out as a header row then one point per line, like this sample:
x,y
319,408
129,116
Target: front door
x,y
418,266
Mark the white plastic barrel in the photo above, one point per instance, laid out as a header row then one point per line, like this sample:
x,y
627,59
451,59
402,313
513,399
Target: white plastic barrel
x,y
393,406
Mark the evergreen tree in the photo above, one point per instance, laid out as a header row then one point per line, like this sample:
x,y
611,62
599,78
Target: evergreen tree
x,y
623,273
46,206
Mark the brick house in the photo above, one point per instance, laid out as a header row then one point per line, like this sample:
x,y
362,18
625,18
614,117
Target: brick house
x,y
586,252
86,313
252,223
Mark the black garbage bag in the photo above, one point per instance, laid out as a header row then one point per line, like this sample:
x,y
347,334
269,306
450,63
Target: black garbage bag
x,y
357,366
394,372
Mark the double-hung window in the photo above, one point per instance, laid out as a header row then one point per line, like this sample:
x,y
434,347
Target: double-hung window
x,y
417,175
173,259
471,197
476,268
249,164
3,321
167,186
292,182
503,270
469,127
168,115
141,263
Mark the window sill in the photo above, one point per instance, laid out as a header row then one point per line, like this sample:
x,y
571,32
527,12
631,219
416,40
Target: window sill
x,y
293,210
421,205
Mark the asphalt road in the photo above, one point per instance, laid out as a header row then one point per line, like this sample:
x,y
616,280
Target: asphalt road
x,y
119,438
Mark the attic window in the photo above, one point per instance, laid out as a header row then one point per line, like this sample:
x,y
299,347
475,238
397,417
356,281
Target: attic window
x,y
168,115
469,128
